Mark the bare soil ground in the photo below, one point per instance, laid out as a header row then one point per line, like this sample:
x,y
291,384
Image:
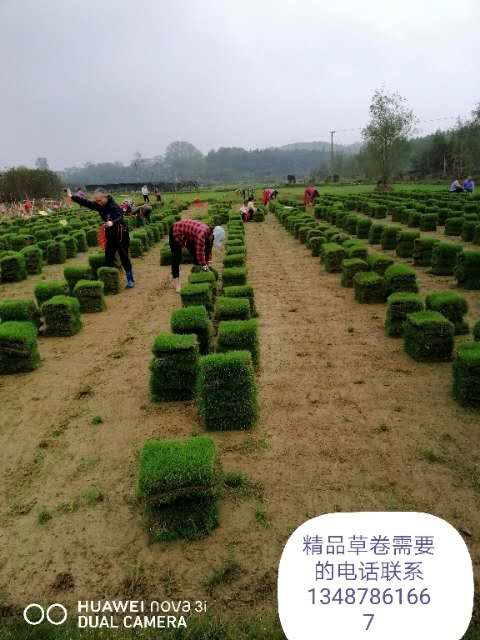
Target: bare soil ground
x,y
348,422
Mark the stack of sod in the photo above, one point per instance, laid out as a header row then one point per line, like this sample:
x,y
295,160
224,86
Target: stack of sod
x,y
363,228
406,243
466,374
414,218
467,269
179,483
453,306
92,237
429,336
110,278
13,267
332,256
369,287
400,277
422,251
18,347
390,237
45,290
228,308
76,272
355,249
239,335
453,226
234,260
227,396
62,316
193,320
70,245
200,277
376,232
96,260
444,258
428,222
198,294
90,295
174,367
476,331
399,306
315,244
56,252
379,263
22,310
468,230
258,216
350,267
243,291
234,276
33,259
136,249
81,240
196,268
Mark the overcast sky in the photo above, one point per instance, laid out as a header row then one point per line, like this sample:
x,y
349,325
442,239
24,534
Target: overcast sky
x,y
98,80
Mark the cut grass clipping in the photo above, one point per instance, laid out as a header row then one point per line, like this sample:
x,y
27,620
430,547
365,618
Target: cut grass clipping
x,y
193,320
399,306
179,483
227,396
18,347
239,335
466,374
62,316
429,336
174,367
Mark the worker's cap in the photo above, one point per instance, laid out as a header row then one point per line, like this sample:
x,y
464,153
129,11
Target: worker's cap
x,y
218,237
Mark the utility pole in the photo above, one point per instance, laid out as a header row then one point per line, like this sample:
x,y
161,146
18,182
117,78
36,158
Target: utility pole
x,y
332,154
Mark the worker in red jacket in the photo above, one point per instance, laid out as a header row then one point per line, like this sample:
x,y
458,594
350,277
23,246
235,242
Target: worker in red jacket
x,y
310,195
198,238
269,194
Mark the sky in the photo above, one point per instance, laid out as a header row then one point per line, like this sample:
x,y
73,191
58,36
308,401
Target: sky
x,y
99,80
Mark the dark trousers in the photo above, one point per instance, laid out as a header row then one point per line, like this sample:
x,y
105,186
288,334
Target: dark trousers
x,y
118,241
146,199
176,250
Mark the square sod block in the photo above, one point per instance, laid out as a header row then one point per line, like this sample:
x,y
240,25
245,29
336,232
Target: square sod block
x,y
444,258
174,367
466,374
135,250
428,222
70,246
350,267
239,335
90,295
110,277
379,263
453,306
401,277
96,260
56,252
196,268
81,240
315,245
304,231
453,226
363,227
399,306
13,267
476,331
414,218
200,277
48,289
235,249
242,291
390,237
429,336
406,243
179,482
227,396
76,272
369,287
234,276
468,230
18,347
195,320
376,233
23,310
197,294
33,259
467,269
422,251
332,256
62,316
228,308
356,249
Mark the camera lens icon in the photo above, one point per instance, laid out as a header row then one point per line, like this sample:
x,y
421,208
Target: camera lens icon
x,y
35,614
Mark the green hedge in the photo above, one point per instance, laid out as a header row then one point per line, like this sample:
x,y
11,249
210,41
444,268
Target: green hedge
x,y
110,277
193,320
399,306
20,309
174,367
18,347
466,374
453,306
48,289
239,335
62,316
369,287
429,336
227,397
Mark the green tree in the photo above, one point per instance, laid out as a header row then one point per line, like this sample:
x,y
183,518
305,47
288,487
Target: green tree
x,y
20,182
386,135
184,161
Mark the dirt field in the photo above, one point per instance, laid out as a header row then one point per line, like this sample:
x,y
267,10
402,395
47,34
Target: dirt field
x,y
348,422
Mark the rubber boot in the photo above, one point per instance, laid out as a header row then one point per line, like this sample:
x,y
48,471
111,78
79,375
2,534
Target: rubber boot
x,y
176,284
130,280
